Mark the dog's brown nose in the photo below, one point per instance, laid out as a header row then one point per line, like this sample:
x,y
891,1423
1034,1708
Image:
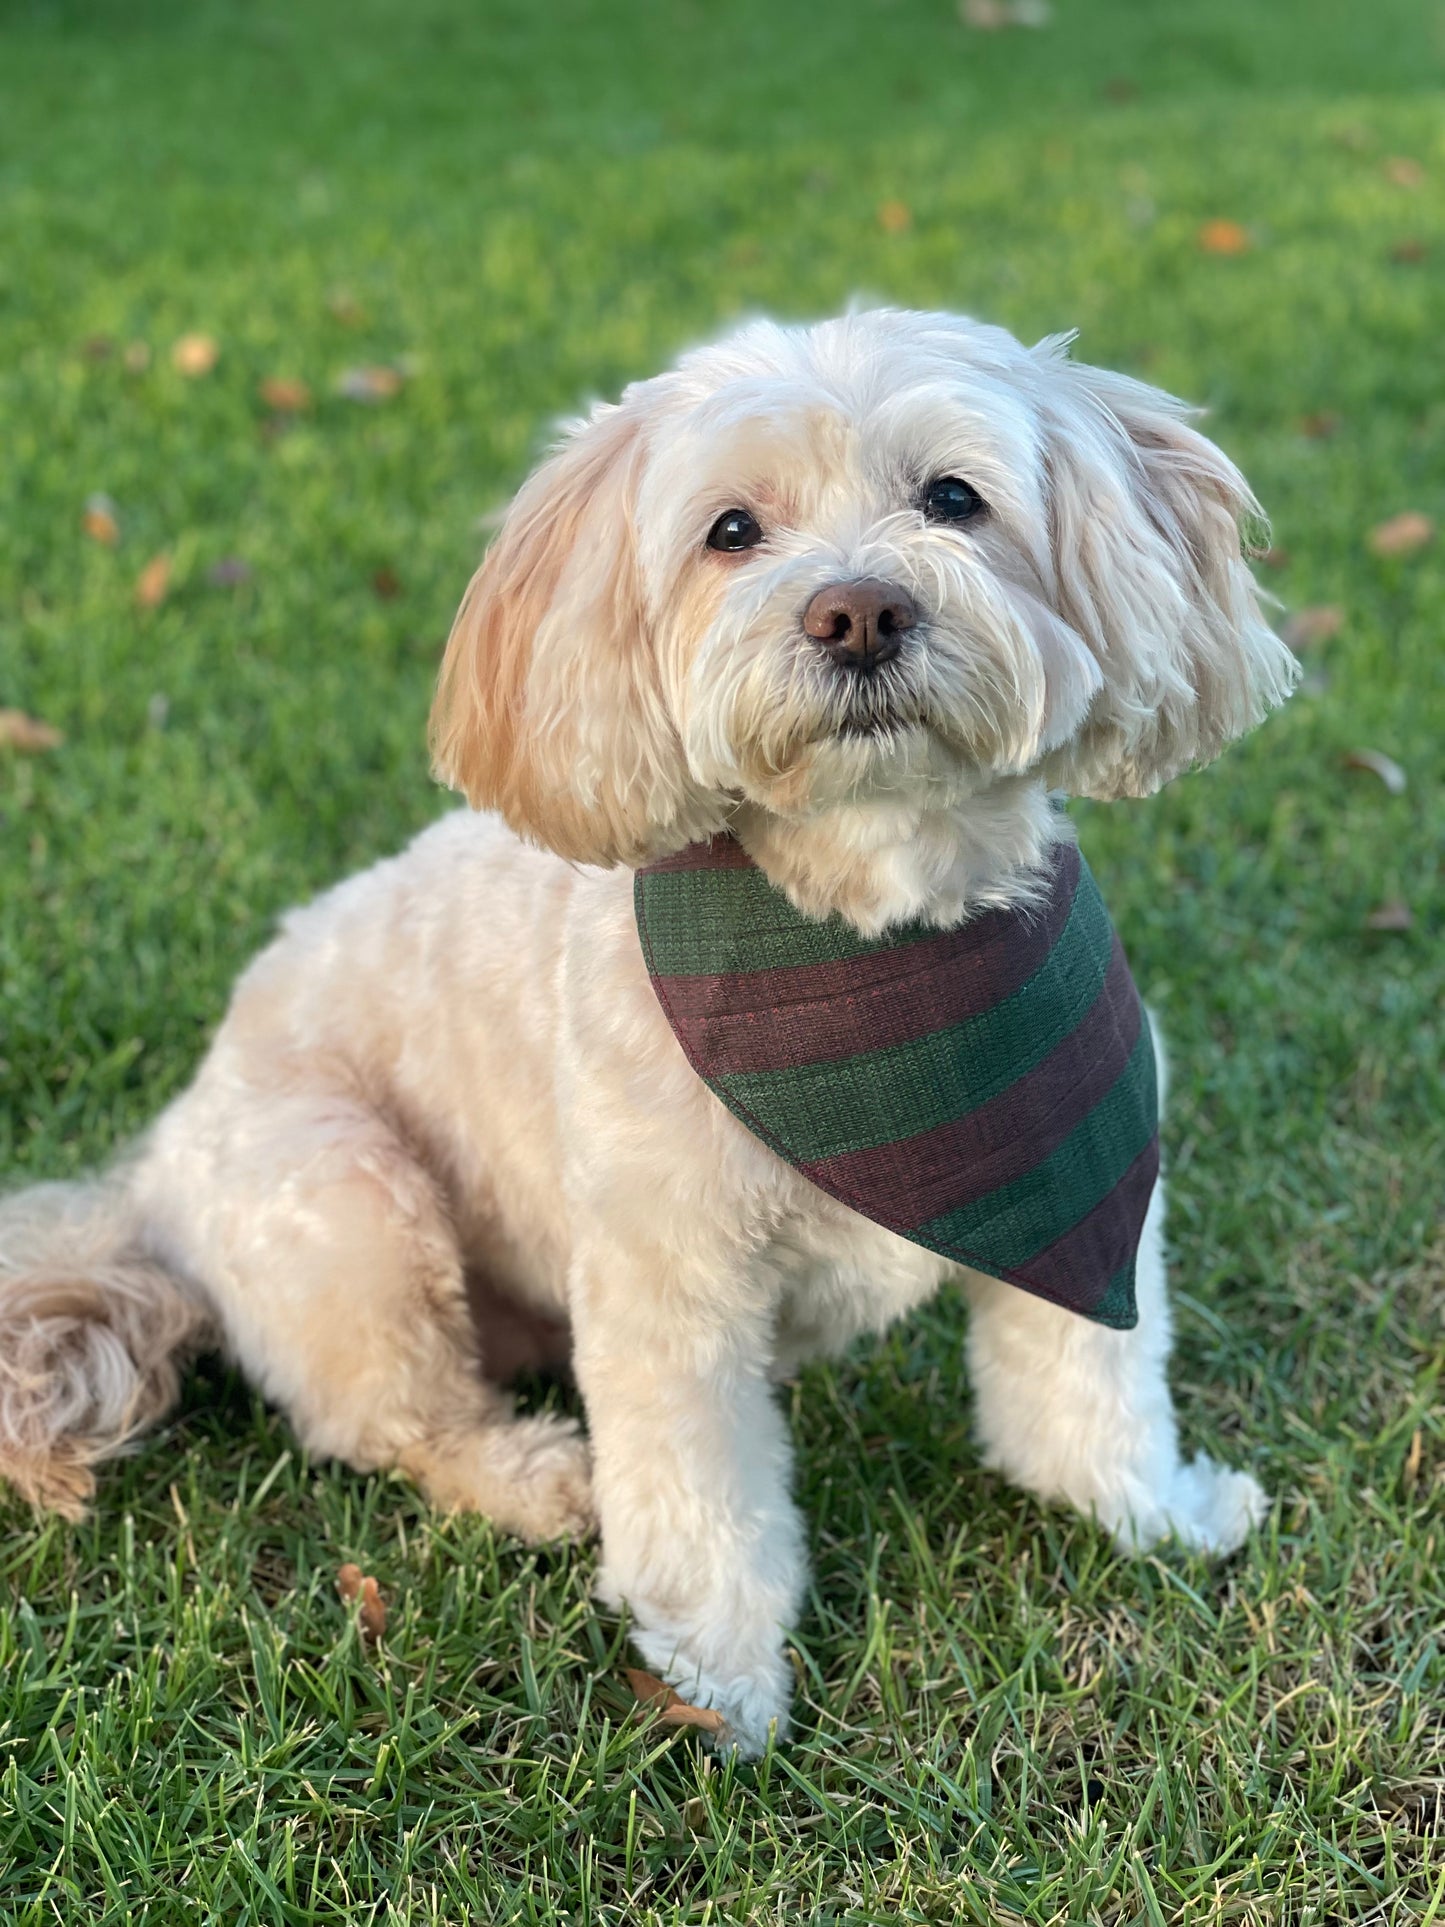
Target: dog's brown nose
x,y
860,623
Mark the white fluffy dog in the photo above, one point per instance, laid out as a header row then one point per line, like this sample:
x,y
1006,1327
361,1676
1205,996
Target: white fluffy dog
x,y
445,1127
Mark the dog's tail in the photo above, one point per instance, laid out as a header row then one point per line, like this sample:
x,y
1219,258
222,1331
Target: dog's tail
x,y
93,1330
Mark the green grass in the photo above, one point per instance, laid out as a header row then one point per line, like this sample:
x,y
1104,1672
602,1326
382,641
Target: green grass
x,y
998,1719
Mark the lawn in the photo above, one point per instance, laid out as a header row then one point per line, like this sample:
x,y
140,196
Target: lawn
x,y
518,206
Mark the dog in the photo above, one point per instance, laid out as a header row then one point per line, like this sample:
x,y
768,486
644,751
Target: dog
x,y
862,598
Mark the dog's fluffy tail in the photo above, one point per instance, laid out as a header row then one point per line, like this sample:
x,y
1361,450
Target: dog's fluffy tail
x,y
93,1330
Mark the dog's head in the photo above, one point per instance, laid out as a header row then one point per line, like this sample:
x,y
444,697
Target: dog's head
x,y
893,555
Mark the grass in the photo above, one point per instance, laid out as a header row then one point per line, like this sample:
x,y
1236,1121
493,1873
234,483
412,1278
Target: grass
x,y
999,1719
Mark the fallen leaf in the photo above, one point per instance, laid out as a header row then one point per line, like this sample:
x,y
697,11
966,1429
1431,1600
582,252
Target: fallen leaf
x,y
137,357
1403,171
1402,534
1408,251
195,355
895,217
230,571
353,1584
1303,628
100,521
1395,914
369,384
345,308
1224,237
152,582
19,731
387,584
288,397
98,348
1274,558
1381,765
984,16
1320,426
1121,89
669,1707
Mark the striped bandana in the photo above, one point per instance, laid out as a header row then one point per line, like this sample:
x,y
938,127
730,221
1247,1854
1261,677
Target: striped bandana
x,y
987,1091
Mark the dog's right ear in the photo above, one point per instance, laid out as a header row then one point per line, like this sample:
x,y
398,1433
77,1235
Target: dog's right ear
x,y
549,707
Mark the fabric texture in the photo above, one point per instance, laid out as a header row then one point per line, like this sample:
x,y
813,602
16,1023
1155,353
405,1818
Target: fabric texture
x,y
986,1091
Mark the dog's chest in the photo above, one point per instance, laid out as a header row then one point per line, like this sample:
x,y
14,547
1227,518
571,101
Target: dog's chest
x,y
839,1276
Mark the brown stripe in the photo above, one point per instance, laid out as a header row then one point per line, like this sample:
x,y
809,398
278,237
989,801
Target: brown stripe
x,y
721,852
773,1020
959,1162
1076,1269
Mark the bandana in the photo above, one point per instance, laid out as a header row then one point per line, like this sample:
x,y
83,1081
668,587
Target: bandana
x,y
987,1091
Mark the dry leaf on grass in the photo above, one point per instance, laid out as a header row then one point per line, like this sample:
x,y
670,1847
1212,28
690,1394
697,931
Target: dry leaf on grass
x,y
1303,628
98,348
1403,171
100,521
19,731
353,1584
895,217
1381,765
153,582
1395,914
992,16
371,384
195,355
1321,425
1408,251
137,357
387,584
1410,1471
670,1708
1224,237
1274,558
1402,534
345,308
286,396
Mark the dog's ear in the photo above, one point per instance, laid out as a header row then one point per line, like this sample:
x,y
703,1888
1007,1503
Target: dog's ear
x,y
1147,521
549,706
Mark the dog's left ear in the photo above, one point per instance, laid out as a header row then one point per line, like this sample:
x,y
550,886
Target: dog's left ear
x,y
1147,520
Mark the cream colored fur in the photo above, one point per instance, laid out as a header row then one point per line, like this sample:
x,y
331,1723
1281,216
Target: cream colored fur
x,y
453,1065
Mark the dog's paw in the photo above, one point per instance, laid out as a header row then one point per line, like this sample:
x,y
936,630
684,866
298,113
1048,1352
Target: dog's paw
x,y
754,1706
1208,1509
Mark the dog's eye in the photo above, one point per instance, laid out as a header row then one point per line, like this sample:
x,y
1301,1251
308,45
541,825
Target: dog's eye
x,y
950,500
734,530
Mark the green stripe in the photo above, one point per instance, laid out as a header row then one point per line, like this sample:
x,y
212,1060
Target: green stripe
x,y
1016,1222
1117,1308
883,1095
693,919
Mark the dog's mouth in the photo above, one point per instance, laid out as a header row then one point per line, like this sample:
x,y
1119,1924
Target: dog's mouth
x,y
875,704
868,728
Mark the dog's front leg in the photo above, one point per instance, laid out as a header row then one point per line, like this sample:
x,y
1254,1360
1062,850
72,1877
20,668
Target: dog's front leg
x,y
1074,1411
691,1456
